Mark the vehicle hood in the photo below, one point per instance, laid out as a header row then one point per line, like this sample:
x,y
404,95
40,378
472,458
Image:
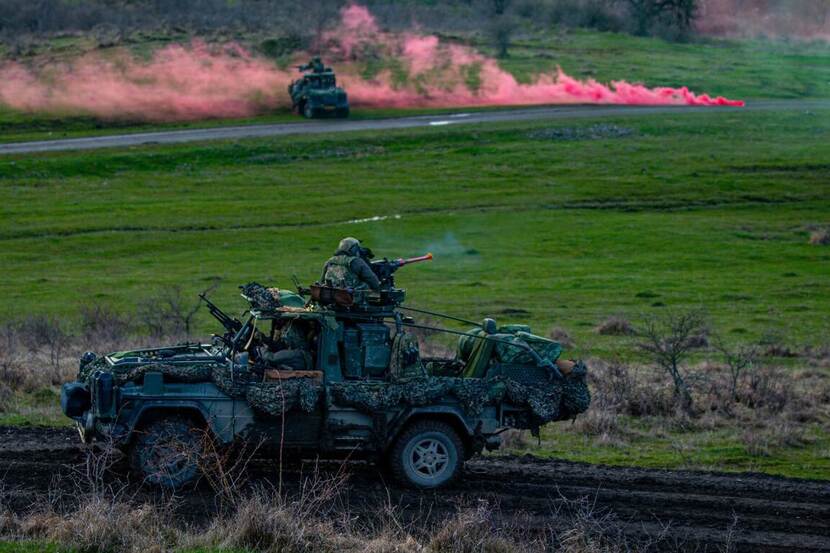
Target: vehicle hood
x,y
123,363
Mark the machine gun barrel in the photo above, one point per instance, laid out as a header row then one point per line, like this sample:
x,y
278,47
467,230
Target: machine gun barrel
x,y
385,268
230,324
407,261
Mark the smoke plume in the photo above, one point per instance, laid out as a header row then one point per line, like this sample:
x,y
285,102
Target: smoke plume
x,y
197,81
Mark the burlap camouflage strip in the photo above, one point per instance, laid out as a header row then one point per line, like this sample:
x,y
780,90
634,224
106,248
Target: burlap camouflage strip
x,y
545,402
276,398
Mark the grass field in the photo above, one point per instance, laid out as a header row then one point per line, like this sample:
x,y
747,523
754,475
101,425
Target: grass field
x,y
739,69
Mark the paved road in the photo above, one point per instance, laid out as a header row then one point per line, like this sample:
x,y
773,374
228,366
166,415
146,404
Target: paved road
x,y
329,126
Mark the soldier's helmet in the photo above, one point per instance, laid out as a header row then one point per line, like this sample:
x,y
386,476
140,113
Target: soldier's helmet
x,y
349,246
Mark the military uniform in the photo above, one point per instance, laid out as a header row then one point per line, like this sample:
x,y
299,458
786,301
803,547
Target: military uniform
x,y
347,269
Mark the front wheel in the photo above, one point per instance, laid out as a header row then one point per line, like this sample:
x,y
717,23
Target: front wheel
x,y
168,452
308,111
429,454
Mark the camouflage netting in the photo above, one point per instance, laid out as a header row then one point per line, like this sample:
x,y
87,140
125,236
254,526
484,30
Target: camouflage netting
x,y
275,398
177,373
271,398
553,401
556,400
270,299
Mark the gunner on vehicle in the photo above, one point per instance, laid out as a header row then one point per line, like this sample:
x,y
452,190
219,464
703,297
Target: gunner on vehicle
x,y
288,347
348,267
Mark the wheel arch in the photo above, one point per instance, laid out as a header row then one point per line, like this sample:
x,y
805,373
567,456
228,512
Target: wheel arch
x,y
151,412
452,417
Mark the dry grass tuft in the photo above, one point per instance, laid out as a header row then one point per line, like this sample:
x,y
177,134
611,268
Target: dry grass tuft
x,y
101,524
615,326
472,531
820,237
560,335
264,522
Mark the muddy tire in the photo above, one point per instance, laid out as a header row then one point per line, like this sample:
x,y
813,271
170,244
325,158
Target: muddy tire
x,y
308,111
428,455
167,452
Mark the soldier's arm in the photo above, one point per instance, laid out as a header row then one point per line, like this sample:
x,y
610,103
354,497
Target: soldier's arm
x,y
364,273
323,275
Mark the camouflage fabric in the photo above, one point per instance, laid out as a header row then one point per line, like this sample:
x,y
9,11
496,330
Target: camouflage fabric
x,y
276,398
180,373
545,403
406,357
262,298
221,376
518,355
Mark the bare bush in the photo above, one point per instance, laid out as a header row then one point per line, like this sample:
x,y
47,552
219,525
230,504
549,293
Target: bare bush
x,y
168,313
620,389
615,325
669,338
102,323
738,359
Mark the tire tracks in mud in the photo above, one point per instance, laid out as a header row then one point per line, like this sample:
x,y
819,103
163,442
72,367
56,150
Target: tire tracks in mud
x,y
697,510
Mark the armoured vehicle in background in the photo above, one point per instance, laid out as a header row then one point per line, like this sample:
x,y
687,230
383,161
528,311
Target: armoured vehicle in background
x,y
366,390
316,93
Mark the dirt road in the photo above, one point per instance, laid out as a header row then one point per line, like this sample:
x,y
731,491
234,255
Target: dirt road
x,y
330,126
750,512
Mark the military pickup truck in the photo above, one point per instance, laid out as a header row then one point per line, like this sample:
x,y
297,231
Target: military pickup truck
x,y
351,384
316,93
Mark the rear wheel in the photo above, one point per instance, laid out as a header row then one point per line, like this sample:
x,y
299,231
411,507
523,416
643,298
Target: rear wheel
x,y
342,113
429,454
167,452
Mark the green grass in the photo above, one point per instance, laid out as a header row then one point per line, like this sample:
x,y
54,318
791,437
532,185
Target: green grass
x,y
651,445
739,69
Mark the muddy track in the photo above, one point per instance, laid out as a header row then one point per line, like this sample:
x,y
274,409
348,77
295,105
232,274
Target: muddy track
x,y
702,510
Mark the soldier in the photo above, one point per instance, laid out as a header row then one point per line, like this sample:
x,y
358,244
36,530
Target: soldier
x,y
291,347
348,268
315,65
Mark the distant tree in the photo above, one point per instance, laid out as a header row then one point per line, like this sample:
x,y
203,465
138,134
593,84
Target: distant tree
x,y
678,14
501,30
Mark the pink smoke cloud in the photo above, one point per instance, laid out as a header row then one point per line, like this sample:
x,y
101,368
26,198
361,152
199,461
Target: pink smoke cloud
x,y
198,82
